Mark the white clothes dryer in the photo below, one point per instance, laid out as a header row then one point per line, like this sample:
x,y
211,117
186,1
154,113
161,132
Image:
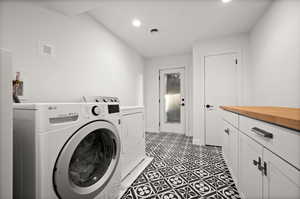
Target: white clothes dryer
x,y
67,151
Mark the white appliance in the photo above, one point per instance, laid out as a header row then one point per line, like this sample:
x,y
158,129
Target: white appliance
x,y
132,136
6,159
67,151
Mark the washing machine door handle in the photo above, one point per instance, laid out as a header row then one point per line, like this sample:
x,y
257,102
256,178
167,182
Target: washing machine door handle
x,y
115,148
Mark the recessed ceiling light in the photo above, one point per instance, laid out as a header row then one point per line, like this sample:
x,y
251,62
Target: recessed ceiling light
x,y
136,23
226,1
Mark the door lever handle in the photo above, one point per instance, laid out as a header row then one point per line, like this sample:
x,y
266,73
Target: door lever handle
x,y
258,163
255,162
209,106
226,131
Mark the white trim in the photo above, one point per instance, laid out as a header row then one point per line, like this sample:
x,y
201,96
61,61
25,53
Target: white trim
x,y
196,142
151,130
133,174
6,126
172,68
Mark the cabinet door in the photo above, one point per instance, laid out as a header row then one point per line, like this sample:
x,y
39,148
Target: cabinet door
x,y
230,148
250,178
225,146
233,151
124,152
133,142
281,180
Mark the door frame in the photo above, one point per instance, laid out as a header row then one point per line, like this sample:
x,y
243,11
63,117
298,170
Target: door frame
x,y
186,97
240,70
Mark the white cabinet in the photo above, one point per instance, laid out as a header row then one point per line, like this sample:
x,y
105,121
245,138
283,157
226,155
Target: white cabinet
x,y
226,142
132,138
281,180
250,178
265,175
230,148
263,158
281,141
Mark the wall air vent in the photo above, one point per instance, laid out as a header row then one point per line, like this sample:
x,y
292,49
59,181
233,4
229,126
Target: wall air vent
x,y
46,49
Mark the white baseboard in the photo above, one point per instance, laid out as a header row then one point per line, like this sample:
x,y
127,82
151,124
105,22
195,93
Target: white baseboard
x,y
196,141
152,130
129,179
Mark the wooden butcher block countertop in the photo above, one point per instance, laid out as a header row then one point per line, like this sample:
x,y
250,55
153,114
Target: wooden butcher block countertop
x,y
286,117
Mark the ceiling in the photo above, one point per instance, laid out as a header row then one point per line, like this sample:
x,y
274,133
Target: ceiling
x,y
180,23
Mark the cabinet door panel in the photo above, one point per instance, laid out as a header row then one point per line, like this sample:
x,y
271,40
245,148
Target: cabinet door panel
x,y
282,180
233,150
250,177
133,141
225,146
230,148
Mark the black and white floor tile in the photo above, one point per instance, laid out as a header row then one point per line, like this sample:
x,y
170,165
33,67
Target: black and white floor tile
x,y
181,170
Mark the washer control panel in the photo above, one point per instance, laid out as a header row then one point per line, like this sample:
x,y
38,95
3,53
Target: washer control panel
x,y
100,99
112,104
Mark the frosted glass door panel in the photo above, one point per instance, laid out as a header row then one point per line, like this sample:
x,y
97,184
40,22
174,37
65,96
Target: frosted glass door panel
x,y
172,98
172,101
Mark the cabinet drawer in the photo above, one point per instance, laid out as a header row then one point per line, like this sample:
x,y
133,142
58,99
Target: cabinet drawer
x,y
281,141
231,118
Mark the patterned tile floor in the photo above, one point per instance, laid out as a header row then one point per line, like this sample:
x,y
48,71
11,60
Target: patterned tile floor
x,y
181,170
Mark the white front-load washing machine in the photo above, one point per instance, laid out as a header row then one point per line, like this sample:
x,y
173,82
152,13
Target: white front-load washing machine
x,y
67,151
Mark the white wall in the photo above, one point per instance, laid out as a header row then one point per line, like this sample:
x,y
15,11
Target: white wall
x,y
275,60
270,56
6,138
236,43
88,59
151,87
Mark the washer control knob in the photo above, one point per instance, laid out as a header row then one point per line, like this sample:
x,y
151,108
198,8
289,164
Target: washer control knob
x,y
96,110
105,100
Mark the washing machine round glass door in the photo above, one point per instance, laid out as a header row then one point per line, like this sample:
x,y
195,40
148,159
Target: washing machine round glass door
x,y
87,161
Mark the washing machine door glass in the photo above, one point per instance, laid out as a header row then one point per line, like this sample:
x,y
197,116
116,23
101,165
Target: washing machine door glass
x,y
92,158
87,162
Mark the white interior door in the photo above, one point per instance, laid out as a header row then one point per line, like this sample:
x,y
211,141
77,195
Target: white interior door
x,y
172,101
220,89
